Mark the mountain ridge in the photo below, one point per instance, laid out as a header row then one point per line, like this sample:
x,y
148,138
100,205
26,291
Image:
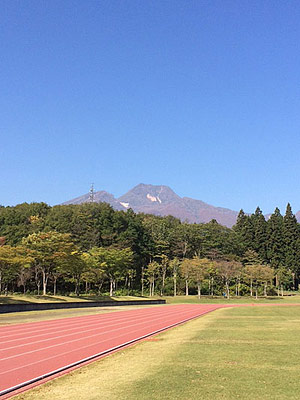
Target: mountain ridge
x,y
162,200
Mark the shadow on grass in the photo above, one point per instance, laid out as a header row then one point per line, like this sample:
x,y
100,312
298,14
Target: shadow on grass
x,y
30,299
93,298
12,300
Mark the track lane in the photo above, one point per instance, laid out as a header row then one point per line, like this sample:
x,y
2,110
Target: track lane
x,y
112,330
61,340
34,351
53,332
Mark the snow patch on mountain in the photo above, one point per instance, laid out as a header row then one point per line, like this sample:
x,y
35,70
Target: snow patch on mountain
x,y
151,198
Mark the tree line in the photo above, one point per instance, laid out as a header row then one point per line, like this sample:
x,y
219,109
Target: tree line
x,y
94,249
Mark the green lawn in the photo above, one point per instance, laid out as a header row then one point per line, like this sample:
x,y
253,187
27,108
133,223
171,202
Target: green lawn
x,y
295,298
237,353
19,298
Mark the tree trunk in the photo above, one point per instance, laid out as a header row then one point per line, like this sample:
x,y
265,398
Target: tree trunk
x,y
111,292
256,291
142,281
99,288
265,289
251,287
54,287
199,290
77,287
227,290
163,284
186,287
175,285
293,275
212,287
44,282
128,287
281,290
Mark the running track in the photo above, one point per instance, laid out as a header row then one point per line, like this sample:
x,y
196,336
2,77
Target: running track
x,y
33,351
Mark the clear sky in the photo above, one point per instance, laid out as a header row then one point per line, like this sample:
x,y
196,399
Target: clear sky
x,y
203,96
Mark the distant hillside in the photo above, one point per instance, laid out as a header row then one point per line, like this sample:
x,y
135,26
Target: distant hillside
x,y
99,197
162,200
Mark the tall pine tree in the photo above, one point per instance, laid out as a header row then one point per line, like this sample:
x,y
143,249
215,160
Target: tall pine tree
x,y
244,231
275,240
291,236
260,233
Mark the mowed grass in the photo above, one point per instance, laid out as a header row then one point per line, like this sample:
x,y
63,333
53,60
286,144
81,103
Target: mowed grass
x,y
235,353
19,298
295,298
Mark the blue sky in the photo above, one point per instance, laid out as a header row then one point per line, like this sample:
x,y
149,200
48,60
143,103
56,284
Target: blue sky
x,y
203,96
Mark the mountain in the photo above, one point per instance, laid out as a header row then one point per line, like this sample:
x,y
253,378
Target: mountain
x,y
162,200
99,197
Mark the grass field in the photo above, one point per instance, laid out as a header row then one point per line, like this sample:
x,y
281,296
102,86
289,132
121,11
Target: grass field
x,y
295,298
237,353
19,298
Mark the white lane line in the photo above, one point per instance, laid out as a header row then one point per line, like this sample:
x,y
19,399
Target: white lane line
x,y
48,374
99,320
76,321
62,322
54,329
56,322
77,340
77,332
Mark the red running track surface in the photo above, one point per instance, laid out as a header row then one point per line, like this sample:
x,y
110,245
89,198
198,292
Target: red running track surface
x,y
32,351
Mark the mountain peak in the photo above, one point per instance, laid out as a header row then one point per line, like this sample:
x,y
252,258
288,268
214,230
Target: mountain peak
x,y
146,194
162,200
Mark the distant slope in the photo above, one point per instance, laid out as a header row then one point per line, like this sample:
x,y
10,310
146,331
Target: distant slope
x,y
99,197
162,200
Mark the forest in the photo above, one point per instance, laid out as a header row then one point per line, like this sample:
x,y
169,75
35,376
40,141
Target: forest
x,y
93,249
